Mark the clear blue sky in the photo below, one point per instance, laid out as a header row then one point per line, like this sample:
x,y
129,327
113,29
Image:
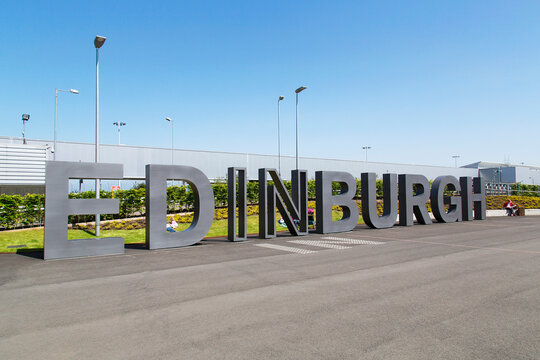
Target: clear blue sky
x,y
419,81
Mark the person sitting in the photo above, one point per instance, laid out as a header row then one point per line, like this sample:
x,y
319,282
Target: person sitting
x,y
510,207
170,227
311,217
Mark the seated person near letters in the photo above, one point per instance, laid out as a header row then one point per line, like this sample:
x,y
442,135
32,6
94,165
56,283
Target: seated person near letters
x,y
170,227
510,207
311,217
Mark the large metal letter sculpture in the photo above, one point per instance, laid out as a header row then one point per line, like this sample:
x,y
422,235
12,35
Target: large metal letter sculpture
x,y
267,210
409,203
325,200
369,200
242,201
438,200
291,210
156,206
300,198
58,207
468,198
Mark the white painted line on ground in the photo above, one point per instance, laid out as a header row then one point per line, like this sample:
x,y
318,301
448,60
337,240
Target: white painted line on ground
x,y
286,248
352,241
324,244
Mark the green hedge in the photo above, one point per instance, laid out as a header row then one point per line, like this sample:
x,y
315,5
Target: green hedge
x,y
28,210
519,189
17,210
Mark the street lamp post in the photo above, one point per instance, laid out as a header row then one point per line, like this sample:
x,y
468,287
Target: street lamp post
x,y
119,124
98,42
73,91
25,118
172,138
297,91
455,159
366,148
279,135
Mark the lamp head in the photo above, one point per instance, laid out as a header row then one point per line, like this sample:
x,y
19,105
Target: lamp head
x,y
168,119
281,98
99,41
300,89
74,91
25,117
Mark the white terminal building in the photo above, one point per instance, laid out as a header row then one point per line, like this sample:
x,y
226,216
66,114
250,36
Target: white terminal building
x,y
22,166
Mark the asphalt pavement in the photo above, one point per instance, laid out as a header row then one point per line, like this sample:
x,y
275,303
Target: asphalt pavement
x,y
468,290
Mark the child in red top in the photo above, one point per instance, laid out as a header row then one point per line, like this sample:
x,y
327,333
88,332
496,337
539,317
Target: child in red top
x,y
509,206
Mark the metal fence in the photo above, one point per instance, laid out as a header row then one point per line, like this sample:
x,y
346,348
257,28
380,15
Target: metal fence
x,y
506,189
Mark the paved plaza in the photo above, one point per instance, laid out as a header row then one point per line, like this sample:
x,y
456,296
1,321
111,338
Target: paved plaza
x,y
468,290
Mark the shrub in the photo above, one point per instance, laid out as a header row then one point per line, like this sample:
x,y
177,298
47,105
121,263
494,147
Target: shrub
x,y
28,210
34,209
9,210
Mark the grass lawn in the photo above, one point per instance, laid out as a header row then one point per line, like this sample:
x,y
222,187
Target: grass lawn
x,y
13,240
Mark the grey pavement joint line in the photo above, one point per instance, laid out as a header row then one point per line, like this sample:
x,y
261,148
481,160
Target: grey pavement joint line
x,y
286,248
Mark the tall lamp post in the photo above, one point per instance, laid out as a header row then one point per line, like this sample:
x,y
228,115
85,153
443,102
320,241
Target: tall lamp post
x,y
98,42
366,148
279,135
73,91
455,157
118,125
297,91
25,118
172,138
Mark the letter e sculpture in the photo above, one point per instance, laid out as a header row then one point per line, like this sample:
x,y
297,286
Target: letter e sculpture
x,y
58,206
